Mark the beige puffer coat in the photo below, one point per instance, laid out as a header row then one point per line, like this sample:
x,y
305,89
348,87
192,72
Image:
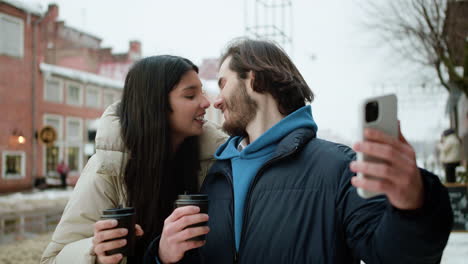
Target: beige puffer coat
x,y
100,187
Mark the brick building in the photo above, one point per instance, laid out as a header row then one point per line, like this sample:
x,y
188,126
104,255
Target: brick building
x,y
63,78
16,81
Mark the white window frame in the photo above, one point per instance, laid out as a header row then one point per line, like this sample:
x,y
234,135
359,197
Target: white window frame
x,y
104,95
80,155
21,40
60,81
44,157
23,165
87,128
117,95
80,99
58,143
60,119
99,95
78,139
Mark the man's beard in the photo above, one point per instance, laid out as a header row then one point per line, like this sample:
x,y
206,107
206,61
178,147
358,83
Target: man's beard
x,y
242,110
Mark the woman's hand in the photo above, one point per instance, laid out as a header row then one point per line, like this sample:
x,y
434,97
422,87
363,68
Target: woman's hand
x,y
105,230
174,239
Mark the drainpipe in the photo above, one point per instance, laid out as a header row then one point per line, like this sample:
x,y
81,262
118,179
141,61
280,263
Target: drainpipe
x,y
35,25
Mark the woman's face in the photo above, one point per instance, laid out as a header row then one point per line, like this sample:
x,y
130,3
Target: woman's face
x,y
188,104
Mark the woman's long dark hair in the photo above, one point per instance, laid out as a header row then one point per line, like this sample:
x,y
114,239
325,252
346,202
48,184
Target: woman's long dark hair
x,y
154,175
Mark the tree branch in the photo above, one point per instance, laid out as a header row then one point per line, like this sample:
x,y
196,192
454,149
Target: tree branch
x,y
439,74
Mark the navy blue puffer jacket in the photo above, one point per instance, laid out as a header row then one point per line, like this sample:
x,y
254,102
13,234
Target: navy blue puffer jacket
x,y
302,208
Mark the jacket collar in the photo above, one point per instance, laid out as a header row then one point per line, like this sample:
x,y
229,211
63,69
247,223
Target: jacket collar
x,y
294,141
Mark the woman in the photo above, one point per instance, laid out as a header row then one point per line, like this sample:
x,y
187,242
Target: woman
x,y
147,152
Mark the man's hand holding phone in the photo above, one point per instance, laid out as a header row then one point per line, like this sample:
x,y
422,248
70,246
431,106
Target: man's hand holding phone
x,y
397,176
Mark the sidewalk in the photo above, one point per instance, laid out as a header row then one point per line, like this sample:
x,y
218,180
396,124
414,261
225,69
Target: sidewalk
x,y
456,251
29,251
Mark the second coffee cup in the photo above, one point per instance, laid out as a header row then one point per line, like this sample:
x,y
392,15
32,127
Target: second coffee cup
x,y
126,219
200,200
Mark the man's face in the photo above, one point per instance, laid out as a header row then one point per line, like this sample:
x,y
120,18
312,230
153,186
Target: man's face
x,y
238,108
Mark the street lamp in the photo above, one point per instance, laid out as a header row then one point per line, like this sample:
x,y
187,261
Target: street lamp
x,y
21,139
18,135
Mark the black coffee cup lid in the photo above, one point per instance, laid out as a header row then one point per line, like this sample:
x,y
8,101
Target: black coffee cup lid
x,y
191,197
119,211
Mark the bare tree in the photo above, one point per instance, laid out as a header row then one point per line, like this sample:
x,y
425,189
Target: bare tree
x,y
433,33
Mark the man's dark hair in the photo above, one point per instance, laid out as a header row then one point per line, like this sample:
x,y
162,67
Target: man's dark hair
x,y
274,72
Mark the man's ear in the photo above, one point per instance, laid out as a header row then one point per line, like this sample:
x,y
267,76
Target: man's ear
x,y
252,79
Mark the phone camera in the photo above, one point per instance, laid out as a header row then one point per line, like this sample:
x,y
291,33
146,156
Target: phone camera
x,y
372,111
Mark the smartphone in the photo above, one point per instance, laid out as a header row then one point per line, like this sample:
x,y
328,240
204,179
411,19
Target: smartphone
x,y
379,113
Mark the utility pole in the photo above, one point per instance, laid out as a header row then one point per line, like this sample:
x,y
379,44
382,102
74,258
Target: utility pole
x,y
270,19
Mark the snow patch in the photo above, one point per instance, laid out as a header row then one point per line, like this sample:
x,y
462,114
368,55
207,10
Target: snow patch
x,y
82,76
28,6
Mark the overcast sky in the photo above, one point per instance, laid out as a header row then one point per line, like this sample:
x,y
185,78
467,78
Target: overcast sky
x,y
338,57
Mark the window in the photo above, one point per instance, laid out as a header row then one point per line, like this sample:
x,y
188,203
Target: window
x,y
73,158
52,153
108,99
12,31
118,96
91,128
14,165
93,98
51,160
74,129
54,121
74,94
53,91
74,143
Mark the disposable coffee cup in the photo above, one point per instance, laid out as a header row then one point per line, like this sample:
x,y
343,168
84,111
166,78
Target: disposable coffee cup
x,y
126,219
200,200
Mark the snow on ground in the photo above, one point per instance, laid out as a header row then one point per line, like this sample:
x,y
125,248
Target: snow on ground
x,y
35,200
456,251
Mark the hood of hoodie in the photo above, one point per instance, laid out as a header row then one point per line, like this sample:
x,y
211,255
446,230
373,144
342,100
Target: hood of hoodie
x,y
301,118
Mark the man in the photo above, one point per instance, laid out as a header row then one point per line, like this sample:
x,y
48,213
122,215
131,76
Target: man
x,y
278,194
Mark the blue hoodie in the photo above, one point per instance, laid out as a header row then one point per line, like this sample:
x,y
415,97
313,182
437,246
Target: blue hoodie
x,y
246,163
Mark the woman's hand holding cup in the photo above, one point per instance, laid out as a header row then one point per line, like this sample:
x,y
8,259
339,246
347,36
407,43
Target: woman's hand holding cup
x,y
106,238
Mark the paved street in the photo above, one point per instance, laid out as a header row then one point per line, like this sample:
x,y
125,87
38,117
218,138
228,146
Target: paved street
x,y
24,252
29,251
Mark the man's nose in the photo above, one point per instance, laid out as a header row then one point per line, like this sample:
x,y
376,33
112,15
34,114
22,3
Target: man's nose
x,y
218,102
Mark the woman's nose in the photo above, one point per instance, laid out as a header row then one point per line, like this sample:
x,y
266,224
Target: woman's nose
x,y
205,103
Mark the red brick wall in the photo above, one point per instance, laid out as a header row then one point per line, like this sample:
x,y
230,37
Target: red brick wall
x,y
16,101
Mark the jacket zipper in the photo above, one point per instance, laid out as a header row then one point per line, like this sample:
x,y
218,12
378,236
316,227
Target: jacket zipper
x,y
254,182
234,250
